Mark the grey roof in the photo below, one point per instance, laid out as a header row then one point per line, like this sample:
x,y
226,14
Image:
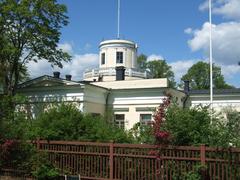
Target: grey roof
x,y
44,77
215,91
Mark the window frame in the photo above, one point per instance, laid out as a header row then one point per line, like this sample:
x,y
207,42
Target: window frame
x,y
103,58
145,121
120,123
119,57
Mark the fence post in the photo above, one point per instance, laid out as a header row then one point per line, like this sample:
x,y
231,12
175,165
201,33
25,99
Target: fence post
x,y
203,154
111,160
203,170
38,144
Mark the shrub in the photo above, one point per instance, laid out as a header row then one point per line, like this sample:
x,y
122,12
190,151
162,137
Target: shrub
x,y
66,122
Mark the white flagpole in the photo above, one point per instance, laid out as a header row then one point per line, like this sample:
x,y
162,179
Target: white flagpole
x,y
118,29
210,55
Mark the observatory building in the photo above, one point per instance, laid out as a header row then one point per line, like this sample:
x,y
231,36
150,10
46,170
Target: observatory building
x,y
117,61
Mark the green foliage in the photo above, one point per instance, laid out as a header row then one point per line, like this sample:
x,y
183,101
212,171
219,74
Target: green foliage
x,y
142,61
199,77
195,126
158,68
66,122
14,120
142,134
189,126
41,168
29,31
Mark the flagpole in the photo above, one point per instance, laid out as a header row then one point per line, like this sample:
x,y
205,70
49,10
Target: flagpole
x,y
211,55
118,29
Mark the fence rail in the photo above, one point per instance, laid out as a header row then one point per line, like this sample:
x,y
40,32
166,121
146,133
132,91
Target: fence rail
x,y
110,161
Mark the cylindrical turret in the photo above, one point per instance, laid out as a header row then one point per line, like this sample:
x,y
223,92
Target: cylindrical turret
x,y
118,52
113,54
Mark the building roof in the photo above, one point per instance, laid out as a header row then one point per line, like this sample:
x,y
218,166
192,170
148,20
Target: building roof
x,y
215,91
37,80
133,84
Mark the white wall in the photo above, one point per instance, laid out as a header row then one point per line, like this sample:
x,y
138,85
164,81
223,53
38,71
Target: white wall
x,y
132,103
111,47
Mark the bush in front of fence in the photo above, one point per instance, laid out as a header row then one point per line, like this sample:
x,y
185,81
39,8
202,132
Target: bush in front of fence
x,y
22,158
65,122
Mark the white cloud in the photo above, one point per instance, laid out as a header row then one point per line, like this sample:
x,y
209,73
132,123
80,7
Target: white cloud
x,y
181,67
188,30
153,57
79,64
42,67
230,71
76,67
66,47
227,8
226,40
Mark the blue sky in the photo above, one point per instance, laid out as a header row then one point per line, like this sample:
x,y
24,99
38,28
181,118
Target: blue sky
x,y
172,29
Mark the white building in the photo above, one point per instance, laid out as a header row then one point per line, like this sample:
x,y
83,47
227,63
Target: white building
x,y
117,86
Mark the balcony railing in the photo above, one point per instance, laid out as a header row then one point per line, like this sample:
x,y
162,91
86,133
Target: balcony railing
x,y
131,72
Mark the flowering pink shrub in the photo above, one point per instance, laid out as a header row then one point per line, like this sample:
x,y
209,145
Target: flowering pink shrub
x,y
162,137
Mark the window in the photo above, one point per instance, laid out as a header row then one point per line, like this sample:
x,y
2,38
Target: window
x,y
119,120
146,119
119,57
103,58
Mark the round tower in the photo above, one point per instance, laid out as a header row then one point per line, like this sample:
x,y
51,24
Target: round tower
x,y
115,53
117,61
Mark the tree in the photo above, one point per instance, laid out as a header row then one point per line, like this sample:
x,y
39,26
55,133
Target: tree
x,y
158,68
199,77
30,31
142,61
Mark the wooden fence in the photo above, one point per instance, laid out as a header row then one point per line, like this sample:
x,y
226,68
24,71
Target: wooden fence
x,y
109,161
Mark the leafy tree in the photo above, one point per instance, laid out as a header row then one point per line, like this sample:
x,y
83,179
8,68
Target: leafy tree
x,y
199,77
158,68
30,31
142,61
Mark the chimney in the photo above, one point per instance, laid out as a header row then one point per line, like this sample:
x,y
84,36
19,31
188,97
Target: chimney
x,y
120,73
186,86
56,74
68,77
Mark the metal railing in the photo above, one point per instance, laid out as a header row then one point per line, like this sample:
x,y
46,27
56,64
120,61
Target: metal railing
x,y
131,72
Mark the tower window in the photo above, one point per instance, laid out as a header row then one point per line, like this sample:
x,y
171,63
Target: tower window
x,y
103,58
119,57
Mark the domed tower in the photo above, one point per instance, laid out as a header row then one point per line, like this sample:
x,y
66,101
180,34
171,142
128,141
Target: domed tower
x,y
117,61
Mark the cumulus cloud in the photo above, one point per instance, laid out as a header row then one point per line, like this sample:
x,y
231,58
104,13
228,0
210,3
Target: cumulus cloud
x,y
42,67
153,57
227,8
230,71
76,67
181,67
79,64
66,47
226,38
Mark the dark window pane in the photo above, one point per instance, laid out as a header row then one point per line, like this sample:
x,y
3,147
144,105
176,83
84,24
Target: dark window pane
x,y
103,58
119,57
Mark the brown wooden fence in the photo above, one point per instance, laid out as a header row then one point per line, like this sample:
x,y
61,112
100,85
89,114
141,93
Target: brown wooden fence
x,y
102,161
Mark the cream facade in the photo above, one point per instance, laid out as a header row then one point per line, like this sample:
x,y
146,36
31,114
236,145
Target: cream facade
x,y
118,87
